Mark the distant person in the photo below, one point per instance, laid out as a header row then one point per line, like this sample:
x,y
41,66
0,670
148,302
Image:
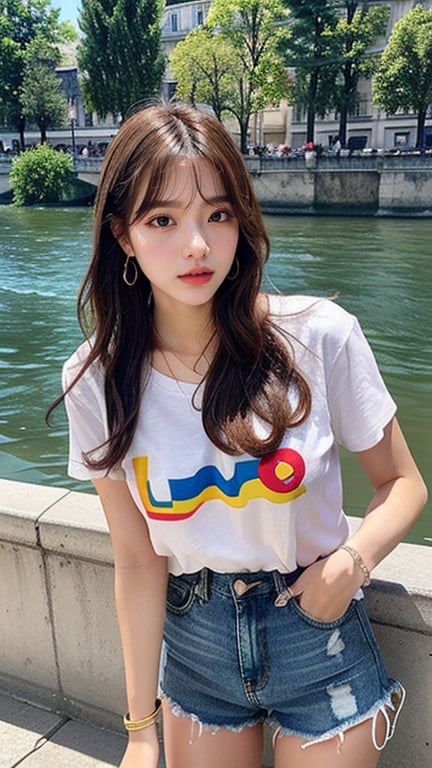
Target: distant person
x,y
208,416
337,146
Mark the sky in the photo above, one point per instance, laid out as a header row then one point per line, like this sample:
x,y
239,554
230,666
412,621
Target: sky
x,y
69,9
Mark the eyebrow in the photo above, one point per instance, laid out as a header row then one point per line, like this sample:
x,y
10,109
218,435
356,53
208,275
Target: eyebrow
x,y
215,200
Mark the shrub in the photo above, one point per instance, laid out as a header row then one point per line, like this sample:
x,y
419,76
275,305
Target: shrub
x,y
40,175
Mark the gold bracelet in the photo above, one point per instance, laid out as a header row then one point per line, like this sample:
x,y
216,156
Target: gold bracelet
x,y
146,722
357,559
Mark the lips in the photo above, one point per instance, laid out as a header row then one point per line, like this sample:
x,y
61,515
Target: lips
x,y
197,271
197,276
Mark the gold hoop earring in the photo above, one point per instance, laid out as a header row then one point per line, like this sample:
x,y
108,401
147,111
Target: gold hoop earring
x,y
128,282
237,270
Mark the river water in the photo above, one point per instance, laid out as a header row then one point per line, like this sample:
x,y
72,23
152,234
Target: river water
x,y
381,269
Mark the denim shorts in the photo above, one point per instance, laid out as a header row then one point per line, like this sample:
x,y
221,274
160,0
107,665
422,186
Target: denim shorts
x,y
237,653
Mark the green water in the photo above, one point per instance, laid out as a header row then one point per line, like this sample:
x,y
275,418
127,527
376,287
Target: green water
x,y
381,269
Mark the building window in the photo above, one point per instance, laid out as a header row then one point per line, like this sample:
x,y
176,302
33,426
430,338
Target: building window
x,y
299,113
200,17
361,108
401,139
174,22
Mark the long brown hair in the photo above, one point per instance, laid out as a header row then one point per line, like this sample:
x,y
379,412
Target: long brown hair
x,y
253,367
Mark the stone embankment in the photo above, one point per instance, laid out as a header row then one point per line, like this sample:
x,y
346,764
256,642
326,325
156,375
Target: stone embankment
x,y
59,643
357,186
375,185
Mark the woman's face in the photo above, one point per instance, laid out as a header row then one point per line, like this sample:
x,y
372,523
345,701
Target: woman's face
x,y
186,243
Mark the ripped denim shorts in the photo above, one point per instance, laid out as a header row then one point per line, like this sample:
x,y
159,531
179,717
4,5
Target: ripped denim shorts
x,y
236,655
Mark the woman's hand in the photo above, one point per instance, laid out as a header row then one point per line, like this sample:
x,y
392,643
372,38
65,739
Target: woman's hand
x,y
142,750
326,588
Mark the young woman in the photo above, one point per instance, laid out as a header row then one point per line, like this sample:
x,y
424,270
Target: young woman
x,y
208,416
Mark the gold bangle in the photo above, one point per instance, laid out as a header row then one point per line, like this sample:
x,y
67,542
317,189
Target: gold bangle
x,y
358,559
146,722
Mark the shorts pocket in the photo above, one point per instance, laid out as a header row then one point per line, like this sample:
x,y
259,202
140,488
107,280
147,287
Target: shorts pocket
x,y
313,621
180,594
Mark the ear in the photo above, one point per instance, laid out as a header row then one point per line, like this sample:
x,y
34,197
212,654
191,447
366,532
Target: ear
x,y
118,230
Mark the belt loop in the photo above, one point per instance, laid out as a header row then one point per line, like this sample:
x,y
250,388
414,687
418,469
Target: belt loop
x,y
279,582
202,586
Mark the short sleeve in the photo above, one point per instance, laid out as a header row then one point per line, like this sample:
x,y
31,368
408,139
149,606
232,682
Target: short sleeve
x,y
359,401
86,412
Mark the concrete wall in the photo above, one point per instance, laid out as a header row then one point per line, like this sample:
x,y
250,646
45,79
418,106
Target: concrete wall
x,y
374,185
59,642
388,186
405,191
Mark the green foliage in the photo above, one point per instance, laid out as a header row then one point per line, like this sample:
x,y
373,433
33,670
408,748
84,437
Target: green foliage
x,y
403,80
207,69
42,98
10,66
310,49
94,58
329,49
353,36
252,30
120,53
20,24
40,175
311,24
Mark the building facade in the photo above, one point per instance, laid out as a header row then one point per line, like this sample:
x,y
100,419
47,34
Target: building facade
x,y
283,124
287,125
368,124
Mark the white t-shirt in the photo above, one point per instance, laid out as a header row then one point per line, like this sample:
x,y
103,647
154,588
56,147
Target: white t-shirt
x,y
239,513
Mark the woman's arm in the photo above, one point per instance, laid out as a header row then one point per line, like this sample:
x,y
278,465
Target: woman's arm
x,y
400,495
140,594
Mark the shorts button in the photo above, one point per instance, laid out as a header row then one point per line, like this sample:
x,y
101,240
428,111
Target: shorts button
x,y
240,587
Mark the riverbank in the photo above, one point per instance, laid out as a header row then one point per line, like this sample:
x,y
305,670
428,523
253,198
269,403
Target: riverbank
x,y
379,186
59,643
361,185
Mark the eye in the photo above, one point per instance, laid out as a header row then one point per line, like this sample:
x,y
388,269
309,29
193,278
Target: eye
x,y
219,216
161,221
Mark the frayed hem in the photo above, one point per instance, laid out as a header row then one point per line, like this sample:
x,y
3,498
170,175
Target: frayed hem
x,y
389,706
178,711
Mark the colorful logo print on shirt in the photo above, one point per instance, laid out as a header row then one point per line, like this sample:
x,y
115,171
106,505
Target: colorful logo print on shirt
x,y
278,478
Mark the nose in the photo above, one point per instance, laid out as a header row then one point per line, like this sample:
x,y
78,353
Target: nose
x,y
195,245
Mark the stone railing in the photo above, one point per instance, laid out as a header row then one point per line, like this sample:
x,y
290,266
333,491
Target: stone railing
x,y
59,642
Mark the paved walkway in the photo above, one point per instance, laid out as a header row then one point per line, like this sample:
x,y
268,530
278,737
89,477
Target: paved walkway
x,y
31,737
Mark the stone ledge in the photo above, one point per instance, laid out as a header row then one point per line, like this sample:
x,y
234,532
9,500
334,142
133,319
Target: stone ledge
x,y
21,506
76,526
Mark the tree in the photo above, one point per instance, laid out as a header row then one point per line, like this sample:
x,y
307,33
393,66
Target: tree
x,y
353,35
120,54
403,80
311,48
94,57
42,100
10,65
253,29
20,23
40,175
207,69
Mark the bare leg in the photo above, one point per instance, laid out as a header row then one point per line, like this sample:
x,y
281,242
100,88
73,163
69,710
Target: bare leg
x,y
187,746
355,751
